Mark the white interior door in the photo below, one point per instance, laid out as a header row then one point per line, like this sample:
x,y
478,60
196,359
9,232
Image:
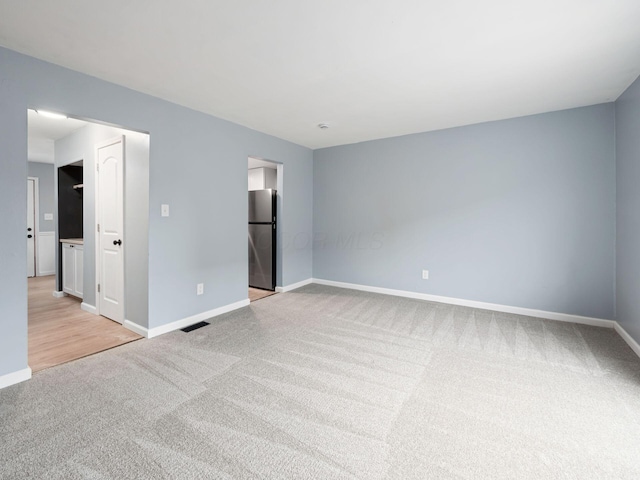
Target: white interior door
x,y
110,208
31,228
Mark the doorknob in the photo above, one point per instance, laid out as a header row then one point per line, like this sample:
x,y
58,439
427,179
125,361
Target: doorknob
x,y
117,242
29,236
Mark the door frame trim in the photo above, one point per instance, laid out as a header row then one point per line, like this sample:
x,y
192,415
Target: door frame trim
x,y
36,223
98,146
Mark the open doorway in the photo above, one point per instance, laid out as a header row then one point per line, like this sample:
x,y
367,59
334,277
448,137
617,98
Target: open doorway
x,y
263,226
65,316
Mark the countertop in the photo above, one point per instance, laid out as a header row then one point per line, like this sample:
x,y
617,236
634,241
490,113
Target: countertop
x,y
74,241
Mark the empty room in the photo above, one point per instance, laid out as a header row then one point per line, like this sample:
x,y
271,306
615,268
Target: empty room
x,y
358,240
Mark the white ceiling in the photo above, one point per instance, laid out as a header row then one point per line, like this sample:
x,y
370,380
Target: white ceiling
x,y
44,131
369,68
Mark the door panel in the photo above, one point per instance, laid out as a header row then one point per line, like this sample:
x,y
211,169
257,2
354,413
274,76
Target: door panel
x,y
111,271
109,177
68,269
111,220
79,270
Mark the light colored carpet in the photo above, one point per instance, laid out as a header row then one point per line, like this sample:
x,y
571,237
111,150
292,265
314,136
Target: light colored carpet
x,y
328,383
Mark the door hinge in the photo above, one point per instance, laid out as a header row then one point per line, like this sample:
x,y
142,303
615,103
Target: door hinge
x,y
98,227
97,167
98,288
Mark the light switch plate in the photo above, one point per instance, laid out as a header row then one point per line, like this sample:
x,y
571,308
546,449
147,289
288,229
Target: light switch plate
x,y
164,210
48,216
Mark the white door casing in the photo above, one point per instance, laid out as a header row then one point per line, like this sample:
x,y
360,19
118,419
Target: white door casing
x,y
110,225
31,227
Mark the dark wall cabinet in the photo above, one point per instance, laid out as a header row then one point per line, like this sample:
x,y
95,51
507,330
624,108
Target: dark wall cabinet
x,y
70,202
70,191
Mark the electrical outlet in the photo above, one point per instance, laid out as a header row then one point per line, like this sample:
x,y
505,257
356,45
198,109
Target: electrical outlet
x,y
425,274
164,210
200,289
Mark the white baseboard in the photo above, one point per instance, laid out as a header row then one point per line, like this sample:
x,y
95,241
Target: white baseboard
x,y
89,308
293,286
134,327
628,338
58,294
185,322
562,317
15,377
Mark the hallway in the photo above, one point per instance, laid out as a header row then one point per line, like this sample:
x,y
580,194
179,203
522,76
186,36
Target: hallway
x,y
59,331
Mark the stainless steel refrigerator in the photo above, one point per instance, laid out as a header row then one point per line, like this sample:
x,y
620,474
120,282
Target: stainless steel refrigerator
x,y
262,239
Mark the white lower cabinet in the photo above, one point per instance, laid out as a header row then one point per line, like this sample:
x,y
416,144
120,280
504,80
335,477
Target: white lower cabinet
x,y
72,257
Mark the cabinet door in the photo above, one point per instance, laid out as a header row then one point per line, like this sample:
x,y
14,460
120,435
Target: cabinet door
x,y
256,179
270,178
68,269
78,270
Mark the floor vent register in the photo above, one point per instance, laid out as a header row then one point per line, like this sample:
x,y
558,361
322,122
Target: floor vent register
x,y
195,326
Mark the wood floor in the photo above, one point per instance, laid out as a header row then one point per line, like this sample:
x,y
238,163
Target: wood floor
x,y
59,331
257,294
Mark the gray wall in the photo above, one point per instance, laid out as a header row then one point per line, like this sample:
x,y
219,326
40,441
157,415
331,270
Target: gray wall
x,y
81,145
198,165
44,172
518,212
628,209
13,248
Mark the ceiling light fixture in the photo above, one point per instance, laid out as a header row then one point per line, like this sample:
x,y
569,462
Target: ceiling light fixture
x,y
323,126
47,114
